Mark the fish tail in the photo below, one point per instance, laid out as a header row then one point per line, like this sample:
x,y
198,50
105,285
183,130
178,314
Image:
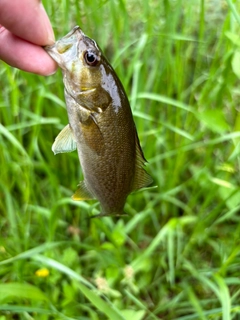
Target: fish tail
x,y
112,214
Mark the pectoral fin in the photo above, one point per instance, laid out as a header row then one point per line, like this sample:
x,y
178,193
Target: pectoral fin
x,y
82,193
64,141
92,134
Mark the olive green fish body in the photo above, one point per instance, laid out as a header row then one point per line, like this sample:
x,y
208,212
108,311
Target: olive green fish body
x,y
107,156
101,125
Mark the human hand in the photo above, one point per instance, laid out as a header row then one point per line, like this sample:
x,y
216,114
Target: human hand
x,y
24,29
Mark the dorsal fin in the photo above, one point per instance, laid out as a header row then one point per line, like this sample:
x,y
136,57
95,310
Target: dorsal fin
x,y
141,177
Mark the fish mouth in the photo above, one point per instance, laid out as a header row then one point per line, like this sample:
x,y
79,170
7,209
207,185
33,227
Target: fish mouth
x,y
75,29
65,43
79,36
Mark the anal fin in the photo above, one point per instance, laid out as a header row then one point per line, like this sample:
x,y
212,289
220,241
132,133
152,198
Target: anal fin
x,y
82,193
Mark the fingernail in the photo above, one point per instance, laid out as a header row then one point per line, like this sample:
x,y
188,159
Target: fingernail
x,y
51,73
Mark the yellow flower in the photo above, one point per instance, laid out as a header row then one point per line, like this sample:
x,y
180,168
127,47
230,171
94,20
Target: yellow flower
x,y
102,284
128,273
2,249
43,273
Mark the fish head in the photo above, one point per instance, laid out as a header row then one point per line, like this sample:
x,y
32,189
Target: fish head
x,y
74,51
85,70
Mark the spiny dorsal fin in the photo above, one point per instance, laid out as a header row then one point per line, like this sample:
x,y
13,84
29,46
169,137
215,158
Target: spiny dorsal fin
x,y
64,141
141,177
82,193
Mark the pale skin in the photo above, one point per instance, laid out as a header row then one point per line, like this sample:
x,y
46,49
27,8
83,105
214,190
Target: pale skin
x,y
24,29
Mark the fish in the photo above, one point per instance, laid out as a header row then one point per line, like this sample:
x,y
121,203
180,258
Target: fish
x,y
101,125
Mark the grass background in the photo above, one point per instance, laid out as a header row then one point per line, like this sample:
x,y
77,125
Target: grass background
x,y
177,254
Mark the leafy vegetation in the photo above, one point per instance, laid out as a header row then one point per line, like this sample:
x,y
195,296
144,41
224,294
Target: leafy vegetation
x,y
177,254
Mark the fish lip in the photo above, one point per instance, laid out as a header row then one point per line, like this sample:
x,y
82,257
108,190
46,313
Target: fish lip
x,y
87,90
74,30
49,47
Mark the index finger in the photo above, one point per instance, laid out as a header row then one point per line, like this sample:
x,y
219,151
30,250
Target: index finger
x,y
28,20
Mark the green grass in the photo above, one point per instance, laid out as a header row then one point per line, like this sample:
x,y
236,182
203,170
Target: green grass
x,y
177,254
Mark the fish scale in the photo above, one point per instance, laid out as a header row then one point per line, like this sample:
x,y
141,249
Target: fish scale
x,y
101,125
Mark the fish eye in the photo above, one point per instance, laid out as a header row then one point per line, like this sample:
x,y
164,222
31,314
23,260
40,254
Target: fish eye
x,y
91,58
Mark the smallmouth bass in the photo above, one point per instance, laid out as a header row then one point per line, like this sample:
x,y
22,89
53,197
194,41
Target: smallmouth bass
x,y
101,125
